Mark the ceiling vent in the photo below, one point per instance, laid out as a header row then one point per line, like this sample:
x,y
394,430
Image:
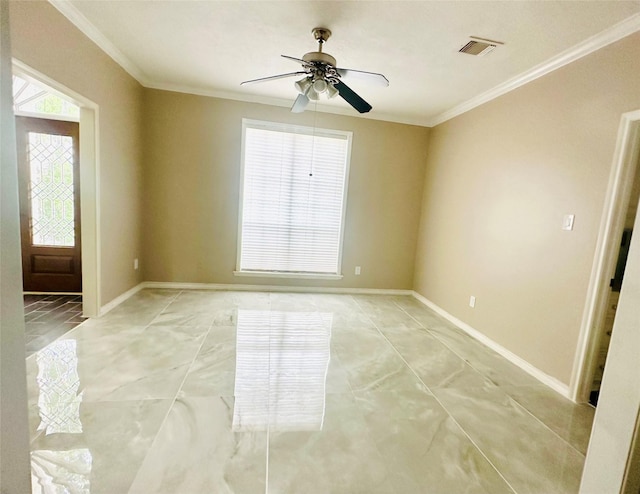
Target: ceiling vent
x,y
479,47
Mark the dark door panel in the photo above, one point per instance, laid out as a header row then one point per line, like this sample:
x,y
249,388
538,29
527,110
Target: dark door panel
x,y
49,179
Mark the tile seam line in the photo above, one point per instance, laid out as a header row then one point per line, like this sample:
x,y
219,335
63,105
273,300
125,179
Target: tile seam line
x,y
435,335
173,401
353,394
438,399
583,455
434,396
268,445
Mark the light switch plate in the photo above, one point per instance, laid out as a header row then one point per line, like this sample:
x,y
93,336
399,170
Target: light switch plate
x,y
567,222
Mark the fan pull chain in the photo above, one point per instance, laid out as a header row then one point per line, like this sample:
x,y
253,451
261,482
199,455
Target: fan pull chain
x,y
313,146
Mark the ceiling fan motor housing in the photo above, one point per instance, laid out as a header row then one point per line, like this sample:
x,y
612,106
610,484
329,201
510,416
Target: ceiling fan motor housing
x,y
319,57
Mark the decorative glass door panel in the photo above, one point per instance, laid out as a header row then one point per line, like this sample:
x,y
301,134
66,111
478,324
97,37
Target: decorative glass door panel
x,y
51,190
49,204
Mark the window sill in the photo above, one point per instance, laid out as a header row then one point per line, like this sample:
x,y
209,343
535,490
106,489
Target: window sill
x,y
281,274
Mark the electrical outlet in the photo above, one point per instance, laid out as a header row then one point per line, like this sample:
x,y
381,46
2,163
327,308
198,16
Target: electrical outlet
x,y
357,270
135,263
472,301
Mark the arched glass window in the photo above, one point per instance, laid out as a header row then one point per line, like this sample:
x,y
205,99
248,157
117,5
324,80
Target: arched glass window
x,y
36,100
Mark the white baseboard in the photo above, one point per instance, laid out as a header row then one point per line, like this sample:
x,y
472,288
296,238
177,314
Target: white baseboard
x,y
253,288
119,299
541,376
273,288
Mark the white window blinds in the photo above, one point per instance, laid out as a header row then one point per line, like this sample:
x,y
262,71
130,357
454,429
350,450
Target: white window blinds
x,y
293,196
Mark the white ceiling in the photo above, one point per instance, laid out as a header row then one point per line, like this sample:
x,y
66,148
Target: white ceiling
x,y
209,47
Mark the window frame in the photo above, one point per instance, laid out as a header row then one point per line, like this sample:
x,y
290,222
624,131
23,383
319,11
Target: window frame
x,y
297,129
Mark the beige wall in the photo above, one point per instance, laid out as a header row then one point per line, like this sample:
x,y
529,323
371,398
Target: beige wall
x,y
192,171
14,435
499,180
44,40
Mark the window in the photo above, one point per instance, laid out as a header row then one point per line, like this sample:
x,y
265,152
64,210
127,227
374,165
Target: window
x,y
292,200
31,99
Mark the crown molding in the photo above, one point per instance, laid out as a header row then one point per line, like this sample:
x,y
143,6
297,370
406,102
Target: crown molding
x,y
286,103
67,9
610,35
215,93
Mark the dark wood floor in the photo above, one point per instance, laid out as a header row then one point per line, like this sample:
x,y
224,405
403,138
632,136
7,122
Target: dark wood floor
x,y
47,317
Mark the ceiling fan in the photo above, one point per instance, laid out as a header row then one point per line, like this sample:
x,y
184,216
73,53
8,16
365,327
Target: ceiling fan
x,y
322,77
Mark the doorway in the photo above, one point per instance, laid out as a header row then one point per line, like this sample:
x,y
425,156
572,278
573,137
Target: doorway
x,y
606,329
601,304
61,103
49,192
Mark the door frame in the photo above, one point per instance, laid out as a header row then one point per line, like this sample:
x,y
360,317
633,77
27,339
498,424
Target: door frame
x,y
617,198
89,185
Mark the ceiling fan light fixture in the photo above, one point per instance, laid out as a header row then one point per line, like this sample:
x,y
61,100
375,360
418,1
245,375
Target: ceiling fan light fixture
x,y
332,92
303,85
312,94
314,89
320,86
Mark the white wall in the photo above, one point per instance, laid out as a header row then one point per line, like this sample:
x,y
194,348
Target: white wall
x,y
619,402
14,443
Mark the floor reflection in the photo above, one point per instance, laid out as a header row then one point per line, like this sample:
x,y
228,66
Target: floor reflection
x,y
59,410
58,384
282,360
61,471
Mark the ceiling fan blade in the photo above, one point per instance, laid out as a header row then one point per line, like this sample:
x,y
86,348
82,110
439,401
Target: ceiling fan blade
x,y
299,60
273,77
300,103
372,77
347,94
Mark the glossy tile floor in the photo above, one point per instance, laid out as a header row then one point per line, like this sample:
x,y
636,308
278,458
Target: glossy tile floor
x,y
47,317
194,392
